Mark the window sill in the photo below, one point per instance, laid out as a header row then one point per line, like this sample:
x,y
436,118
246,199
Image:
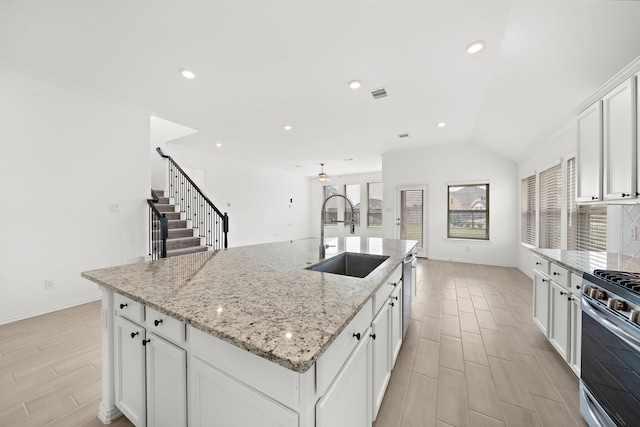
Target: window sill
x,y
463,240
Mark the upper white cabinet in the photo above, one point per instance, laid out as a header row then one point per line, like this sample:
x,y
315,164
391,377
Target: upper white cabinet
x,y
619,137
589,182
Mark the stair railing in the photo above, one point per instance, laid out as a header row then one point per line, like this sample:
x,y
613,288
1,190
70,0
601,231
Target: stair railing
x,y
158,229
212,224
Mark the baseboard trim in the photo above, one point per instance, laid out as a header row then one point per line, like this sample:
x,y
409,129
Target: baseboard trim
x,y
5,320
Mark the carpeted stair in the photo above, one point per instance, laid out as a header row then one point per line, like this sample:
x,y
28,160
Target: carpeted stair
x,y
181,240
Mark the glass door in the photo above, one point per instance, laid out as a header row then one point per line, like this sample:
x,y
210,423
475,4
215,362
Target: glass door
x,y
411,215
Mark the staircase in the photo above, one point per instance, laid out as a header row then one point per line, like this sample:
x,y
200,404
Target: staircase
x,y
181,239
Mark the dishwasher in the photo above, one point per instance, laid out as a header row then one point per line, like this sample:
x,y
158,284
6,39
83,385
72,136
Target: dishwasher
x,y
408,282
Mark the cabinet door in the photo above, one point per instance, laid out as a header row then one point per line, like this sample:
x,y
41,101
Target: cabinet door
x,y
541,302
216,399
129,370
559,318
347,401
618,115
380,355
396,322
166,383
576,335
589,162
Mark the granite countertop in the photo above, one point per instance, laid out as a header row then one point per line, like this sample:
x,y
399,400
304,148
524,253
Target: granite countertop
x,y
261,297
587,261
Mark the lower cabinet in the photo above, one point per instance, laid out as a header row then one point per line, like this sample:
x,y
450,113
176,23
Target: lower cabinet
x,y
129,366
346,402
541,301
575,343
380,356
217,399
396,323
559,304
556,310
150,377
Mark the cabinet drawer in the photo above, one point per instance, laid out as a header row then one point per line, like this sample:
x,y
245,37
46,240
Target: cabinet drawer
x,y
164,325
540,264
382,294
560,275
332,360
128,308
576,284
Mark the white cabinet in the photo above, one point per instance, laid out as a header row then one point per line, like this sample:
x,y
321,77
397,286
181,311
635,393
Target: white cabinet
x,y
166,383
589,157
217,399
347,401
380,356
541,301
619,138
559,318
396,322
575,321
129,367
149,375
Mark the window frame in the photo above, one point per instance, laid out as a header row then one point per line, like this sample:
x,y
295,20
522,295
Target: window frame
x,y
528,213
486,211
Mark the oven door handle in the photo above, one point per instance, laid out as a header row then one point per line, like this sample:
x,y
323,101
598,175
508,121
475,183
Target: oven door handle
x,y
611,323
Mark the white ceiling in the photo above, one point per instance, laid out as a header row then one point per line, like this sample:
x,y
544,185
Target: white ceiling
x,y
262,64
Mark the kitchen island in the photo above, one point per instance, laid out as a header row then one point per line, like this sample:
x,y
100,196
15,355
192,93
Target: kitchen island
x,y
252,326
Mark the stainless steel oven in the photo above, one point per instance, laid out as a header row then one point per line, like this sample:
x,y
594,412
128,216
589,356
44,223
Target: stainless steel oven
x,y
610,372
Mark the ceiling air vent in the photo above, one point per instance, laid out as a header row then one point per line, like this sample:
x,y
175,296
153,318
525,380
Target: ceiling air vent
x,y
379,93
403,135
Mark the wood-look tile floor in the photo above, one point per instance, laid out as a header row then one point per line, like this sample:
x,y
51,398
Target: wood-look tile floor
x,y
472,357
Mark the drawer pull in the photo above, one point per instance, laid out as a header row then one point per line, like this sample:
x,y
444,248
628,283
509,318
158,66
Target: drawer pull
x,y
373,336
123,306
395,298
555,273
391,304
562,293
357,335
594,198
538,263
144,342
157,322
395,284
625,194
133,334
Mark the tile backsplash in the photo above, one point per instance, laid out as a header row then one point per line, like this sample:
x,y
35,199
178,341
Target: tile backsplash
x,y
630,218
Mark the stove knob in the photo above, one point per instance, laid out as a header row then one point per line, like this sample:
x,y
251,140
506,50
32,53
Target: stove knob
x,y
598,294
587,290
616,304
634,316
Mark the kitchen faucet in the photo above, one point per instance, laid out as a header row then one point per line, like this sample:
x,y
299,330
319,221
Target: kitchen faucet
x,y
352,226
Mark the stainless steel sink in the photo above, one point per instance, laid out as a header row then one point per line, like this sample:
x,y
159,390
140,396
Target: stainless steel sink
x,y
350,264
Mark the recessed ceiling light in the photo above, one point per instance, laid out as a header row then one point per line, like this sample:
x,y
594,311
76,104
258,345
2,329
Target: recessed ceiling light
x,y
287,127
355,84
476,46
187,74
441,124
218,145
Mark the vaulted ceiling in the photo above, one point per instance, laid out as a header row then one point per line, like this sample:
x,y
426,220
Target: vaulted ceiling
x,y
264,64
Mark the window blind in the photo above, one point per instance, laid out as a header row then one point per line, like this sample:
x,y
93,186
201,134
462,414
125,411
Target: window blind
x,y
411,212
528,210
374,195
549,236
586,224
352,191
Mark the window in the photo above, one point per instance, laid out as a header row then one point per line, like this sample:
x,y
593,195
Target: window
x,y
331,207
468,214
352,191
550,207
586,224
374,195
528,210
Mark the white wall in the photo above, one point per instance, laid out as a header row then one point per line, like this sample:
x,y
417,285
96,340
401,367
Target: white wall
x,y
317,198
67,157
256,198
441,165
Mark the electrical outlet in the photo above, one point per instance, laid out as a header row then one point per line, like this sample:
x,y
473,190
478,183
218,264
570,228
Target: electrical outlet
x,y
48,284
